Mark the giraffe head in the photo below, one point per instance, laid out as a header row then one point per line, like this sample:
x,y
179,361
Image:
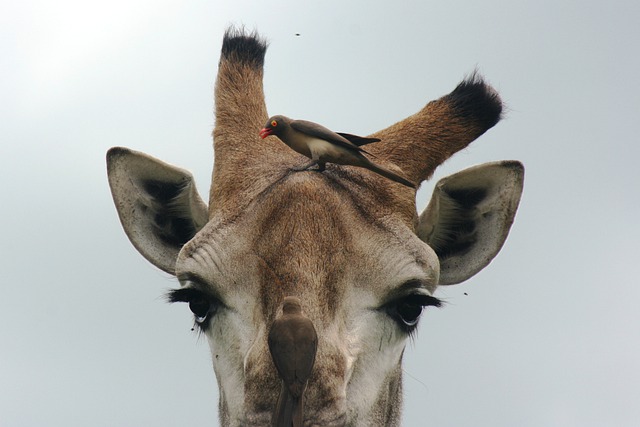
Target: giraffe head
x,y
348,243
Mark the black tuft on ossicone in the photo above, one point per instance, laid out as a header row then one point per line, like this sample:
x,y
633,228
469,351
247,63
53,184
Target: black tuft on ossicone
x,y
240,46
475,100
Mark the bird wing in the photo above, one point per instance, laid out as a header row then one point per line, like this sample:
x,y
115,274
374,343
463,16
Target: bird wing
x,y
358,140
282,348
321,132
306,347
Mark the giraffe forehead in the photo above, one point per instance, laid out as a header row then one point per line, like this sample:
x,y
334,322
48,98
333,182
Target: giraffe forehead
x,y
312,241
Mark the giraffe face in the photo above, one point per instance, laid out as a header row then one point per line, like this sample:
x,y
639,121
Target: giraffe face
x,y
361,285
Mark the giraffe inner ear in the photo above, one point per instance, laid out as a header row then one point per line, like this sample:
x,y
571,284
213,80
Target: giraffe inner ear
x,y
469,216
158,205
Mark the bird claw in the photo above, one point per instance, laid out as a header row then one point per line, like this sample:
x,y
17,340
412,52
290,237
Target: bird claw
x,y
307,166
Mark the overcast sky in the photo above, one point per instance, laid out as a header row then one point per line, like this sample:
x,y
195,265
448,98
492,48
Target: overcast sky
x,y
547,335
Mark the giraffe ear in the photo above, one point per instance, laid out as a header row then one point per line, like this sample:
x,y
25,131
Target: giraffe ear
x,y
158,205
469,216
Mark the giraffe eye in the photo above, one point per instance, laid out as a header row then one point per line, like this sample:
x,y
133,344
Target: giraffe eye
x,y
203,306
406,311
409,311
200,307
274,123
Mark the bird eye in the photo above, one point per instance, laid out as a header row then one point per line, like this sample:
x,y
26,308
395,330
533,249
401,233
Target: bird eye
x,y
274,123
406,311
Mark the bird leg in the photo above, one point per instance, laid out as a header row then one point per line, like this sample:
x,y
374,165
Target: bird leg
x,y
304,167
307,166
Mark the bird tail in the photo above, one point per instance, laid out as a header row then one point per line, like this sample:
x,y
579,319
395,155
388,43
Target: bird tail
x,y
297,414
388,174
288,411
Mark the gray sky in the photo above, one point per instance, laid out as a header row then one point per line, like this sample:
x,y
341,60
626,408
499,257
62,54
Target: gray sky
x,y
549,333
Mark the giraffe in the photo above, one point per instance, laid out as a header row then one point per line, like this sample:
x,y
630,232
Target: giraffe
x,y
347,243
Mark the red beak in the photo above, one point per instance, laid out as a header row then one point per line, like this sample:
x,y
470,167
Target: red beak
x,y
265,132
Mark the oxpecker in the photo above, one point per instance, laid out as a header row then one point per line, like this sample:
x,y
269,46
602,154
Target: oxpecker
x,y
292,343
323,146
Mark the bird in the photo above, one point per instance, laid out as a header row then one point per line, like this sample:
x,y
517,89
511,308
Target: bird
x,y
293,343
323,146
